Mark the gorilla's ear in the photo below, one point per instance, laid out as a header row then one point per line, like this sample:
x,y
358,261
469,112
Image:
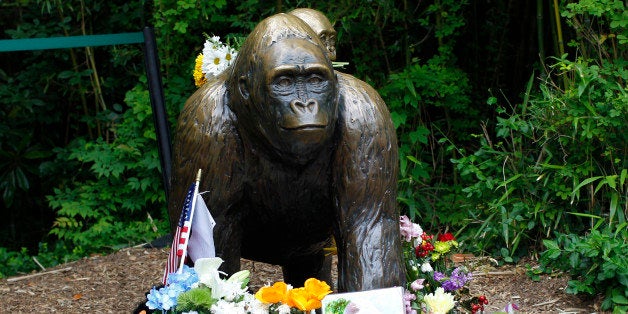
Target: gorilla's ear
x,y
244,87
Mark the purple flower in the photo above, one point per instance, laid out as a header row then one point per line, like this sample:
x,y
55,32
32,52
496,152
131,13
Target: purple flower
x,y
438,276
459,277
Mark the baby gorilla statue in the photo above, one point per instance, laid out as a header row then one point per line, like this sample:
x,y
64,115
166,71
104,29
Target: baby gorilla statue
x,y
293,153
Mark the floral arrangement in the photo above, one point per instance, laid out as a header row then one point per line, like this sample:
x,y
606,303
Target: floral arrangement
x,y
216,57
434,284
202,289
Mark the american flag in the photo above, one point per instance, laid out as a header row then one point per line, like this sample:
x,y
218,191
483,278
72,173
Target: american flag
x,y
181,235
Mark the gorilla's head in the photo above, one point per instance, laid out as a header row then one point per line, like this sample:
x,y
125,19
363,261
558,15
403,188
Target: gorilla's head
x,y
283,89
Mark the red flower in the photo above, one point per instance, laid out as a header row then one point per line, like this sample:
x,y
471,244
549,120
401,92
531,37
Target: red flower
x,y
476,307
426,237
483,299
424,249
446,237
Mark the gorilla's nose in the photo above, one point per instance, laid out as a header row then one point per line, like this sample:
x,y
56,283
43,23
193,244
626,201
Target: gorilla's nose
x,y
310,106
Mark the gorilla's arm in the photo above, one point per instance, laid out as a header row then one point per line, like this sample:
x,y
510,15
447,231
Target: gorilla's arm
x,y
365,178
206,138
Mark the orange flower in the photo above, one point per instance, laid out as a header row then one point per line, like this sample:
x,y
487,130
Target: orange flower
x,y
317,287
303,300
272,294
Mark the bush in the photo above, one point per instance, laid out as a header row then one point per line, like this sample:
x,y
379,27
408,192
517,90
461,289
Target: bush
x,y
597,262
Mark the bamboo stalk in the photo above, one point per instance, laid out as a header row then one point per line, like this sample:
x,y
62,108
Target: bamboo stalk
x,y
559,32
75,66
539,29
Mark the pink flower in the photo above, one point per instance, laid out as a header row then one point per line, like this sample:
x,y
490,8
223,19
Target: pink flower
x,y
408,297
417,284
351,308
408,229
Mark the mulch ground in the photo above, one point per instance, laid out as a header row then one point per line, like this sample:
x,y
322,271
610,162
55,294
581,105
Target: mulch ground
x,y
116,283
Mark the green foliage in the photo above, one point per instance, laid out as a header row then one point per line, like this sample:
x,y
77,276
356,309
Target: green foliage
x,y
429,103
597,262
609,15
113,205
199,299
337,306
561,151
16,262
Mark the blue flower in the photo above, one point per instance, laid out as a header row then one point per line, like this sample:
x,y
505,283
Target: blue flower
x,y
165,298
185,279
162,299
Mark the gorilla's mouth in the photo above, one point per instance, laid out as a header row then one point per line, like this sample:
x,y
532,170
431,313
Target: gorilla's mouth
x,y
304,127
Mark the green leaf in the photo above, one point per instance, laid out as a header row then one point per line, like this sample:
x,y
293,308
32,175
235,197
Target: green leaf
x,y
413,159
398,118
619,297
583,183
551,245
585,215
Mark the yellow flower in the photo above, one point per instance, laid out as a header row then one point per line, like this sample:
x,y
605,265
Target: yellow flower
x,y
439,302
303,300
442,247
199,76
272,294
317,287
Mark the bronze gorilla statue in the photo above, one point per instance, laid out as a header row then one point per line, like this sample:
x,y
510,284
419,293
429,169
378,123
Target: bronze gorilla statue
x,y
292,154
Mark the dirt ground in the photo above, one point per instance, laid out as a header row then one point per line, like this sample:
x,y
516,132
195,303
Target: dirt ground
x,y
116,283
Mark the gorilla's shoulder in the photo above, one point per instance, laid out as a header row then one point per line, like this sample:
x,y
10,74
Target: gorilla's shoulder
x,y
359,101
207,108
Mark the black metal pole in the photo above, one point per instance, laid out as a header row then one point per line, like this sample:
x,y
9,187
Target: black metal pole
x,y
156,92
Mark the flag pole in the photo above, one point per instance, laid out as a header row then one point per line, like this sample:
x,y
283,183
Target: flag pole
x,y
185,248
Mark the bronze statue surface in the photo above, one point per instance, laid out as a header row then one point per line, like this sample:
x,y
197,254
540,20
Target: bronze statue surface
x,y
319,23
293,153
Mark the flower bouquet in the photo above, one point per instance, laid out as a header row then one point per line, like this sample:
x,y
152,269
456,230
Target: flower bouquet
x,y
434,284
216,58
204,289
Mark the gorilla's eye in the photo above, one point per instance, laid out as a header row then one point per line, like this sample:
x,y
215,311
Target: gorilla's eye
x,y
283,82
314,79
283,85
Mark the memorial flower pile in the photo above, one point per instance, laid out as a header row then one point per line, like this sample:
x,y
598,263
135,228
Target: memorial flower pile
x,y
202,289
435,284
216,57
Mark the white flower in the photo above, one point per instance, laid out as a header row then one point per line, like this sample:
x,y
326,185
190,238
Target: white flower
x,y
240,276
426,267
228,290
439,302
283,309
255,306
216,57
207,270
209,275
225,307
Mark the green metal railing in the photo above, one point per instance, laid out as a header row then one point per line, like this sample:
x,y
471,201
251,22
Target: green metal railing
x,y
70,42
